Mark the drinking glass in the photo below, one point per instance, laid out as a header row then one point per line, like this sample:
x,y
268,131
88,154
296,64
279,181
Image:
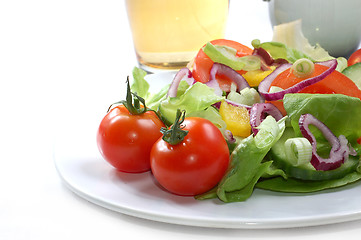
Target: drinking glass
x,y
168,33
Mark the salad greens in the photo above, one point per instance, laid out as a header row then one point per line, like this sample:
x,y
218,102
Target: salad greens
x,y
140,86
280,184
224,55
280,50
250,162
259,161
247,164
227,56
327,108
197,97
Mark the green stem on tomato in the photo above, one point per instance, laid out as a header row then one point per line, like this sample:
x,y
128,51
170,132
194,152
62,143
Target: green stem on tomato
x,y
135,105
132,103
175,134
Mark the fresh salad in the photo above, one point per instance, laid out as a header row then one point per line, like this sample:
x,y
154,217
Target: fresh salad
x,y
239,118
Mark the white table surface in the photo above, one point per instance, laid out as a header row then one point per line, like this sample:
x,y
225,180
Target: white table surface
x,y
60,60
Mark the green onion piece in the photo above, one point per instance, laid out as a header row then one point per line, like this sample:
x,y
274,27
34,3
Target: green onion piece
x,y
274,89
251,62
303,68
298,151
256,43
247,96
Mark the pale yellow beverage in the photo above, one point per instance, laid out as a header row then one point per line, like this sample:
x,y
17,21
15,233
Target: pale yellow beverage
x,y
167,34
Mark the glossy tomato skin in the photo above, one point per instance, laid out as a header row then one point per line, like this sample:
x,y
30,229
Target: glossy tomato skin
x,y
195,165
354,58
335,83
125,140
202,63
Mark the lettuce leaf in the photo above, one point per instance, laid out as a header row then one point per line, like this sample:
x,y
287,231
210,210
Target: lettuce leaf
x,y
280,50
197,97
247,165
329,109
291,185
212,115
139,85
154,99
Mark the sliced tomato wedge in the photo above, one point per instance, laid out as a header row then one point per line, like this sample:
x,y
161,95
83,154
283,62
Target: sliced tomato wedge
x,y
335,83
202,63
354,58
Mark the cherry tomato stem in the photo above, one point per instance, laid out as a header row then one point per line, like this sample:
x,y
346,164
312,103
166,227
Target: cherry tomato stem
x,y
175,134
127,133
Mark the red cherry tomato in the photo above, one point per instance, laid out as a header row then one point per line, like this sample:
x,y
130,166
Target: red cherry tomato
x,y
202,63
196,164
125,140
354,58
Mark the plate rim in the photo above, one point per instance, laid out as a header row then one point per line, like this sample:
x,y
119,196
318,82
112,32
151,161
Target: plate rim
x,y
209,223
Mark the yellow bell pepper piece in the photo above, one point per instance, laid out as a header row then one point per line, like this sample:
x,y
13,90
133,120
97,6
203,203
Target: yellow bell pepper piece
x,y
254,77
236,118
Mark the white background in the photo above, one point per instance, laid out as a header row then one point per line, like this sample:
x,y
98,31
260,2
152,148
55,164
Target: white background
x,y
60,60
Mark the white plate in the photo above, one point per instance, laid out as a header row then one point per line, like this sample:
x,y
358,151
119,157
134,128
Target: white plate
x,y
83,170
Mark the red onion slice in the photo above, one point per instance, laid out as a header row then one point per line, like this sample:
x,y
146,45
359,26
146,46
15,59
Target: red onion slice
x,y
258,114
266,83
328,63
181,74
339,151
213,83
221,69
267,60
264,55
229,136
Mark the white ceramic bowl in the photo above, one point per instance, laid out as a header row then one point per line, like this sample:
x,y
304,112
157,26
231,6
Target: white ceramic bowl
x,y
334,24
